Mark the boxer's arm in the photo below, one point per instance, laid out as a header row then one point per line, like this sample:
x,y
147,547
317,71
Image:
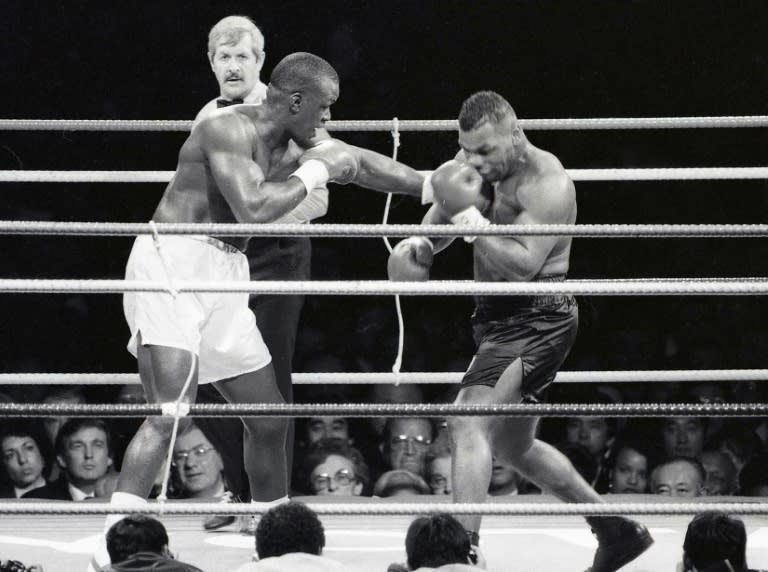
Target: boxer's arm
x,y
313,206
381,173
435,216
227,147
520,258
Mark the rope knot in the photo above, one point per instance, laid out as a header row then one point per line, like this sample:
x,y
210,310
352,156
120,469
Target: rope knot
x,y
175,409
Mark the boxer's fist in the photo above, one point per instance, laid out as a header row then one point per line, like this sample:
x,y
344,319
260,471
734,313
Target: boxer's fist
x,y
339,158
411,260
457,187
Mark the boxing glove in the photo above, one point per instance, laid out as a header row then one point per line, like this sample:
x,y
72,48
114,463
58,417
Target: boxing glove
x,y
411,260
457,192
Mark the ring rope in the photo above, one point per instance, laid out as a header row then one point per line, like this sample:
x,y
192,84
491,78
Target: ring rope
x,y
389,508
393,410
646,287
648,174
585,123
377,230
347,378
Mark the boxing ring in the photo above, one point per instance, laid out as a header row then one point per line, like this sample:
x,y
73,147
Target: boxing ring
x,y
62,536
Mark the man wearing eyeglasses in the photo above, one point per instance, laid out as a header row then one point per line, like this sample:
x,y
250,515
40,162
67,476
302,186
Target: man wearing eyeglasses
x,y
405,443
198,465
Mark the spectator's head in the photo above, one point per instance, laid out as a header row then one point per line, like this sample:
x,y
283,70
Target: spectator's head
x,y
630,467
84,451
712,539
198,465
738,444
236,53
24,453
333,467
136,533
289,527
721,477
317,428
400,483
753,478
678,477
594,433
683,436
60,396
437,540
438,462
405,443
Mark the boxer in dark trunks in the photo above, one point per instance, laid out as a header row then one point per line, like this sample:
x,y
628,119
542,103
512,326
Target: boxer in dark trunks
x,y
500,177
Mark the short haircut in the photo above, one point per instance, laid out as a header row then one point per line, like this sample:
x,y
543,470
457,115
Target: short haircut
x,y
695,463
713,537
324,448
72,426
301,71
289,527
135,533
25,428
484,106
436,540
230,30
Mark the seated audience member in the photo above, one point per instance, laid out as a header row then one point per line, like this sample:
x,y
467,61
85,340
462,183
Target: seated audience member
x,y
405,442
596,434
738,444
139,542
706,392
678,477
391,393
316,428
291,538
630,467
715,542
59,396
438,462
438,542
333,467
753,478
198,466
24,451
505,479
683,436
400,483
84,454
720,473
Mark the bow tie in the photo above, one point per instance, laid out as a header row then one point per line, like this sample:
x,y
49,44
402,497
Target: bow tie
x,y
227,102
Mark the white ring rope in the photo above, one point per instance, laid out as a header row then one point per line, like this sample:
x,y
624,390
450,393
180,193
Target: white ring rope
x,y
425,378
647,174
655,287
585,123
390,508
377,230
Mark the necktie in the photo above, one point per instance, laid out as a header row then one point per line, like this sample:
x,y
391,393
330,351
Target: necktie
x,y
227,102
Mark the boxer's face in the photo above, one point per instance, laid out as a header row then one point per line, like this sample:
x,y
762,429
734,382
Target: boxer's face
x,y
314,109
237,67
490,149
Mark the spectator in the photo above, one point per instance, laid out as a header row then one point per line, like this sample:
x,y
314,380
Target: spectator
x,y
678,477
596,434
317,428
439,542
720,473
753,478
405,442
400,483
333,467
630,468
59,396
438,462
715,542
738,444
139,542
16,566
683,436
291,538
24,451
84,454
198,466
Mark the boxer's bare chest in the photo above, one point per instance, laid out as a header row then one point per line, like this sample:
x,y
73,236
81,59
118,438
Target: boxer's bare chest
x,y
506,206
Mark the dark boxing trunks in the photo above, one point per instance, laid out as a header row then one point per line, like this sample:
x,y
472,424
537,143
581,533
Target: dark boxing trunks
x,y
539,330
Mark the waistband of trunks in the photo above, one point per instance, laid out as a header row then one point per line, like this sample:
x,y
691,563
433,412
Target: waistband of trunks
x,y
491,307
216,243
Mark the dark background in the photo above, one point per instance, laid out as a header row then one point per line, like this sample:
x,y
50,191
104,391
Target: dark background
x,y
413,60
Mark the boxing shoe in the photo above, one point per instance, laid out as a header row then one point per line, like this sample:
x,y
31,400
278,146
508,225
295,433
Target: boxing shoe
x,y
620,540
216,521
397,567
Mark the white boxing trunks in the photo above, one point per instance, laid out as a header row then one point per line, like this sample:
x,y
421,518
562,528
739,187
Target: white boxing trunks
x,y
218,327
